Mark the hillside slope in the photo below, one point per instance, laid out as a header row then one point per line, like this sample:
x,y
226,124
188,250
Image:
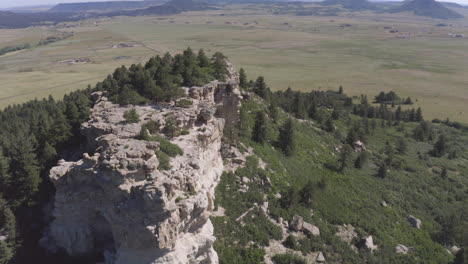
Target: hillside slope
x,y
429,8
103,6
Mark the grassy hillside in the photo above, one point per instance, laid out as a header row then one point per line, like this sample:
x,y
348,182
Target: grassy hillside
x,y
428,8
413,185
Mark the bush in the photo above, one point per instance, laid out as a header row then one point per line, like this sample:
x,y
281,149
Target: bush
x,y
288,259
172,150
184,103
164,161
131,116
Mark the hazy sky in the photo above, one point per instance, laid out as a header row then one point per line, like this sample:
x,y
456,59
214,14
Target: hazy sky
x,y
15,3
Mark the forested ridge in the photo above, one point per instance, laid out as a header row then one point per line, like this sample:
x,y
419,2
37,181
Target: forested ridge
x,y
307,140
36,134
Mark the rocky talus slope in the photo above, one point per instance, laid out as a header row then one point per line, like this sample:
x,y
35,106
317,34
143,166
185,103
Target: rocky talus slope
x,y
116,202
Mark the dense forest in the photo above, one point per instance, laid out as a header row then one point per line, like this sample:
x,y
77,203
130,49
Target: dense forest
x,y
307,140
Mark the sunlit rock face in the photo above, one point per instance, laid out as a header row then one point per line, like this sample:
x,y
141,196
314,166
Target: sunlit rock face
x,y
116,203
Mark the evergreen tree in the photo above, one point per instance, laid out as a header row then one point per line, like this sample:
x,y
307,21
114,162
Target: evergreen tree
x,y
313,111
202,59
345,155
274,112
335,114
219,66
408,101
439,147
329,126
352,137
261,88
307,193
242,78
382,172
286,138
418,117
401,146
260,129
340,90
444,173
360,160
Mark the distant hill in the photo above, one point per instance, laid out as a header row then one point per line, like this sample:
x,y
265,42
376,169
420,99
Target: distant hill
x,y
429,8
351,4
20,20
170,8
104,6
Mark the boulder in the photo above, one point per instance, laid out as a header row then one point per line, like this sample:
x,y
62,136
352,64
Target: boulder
x,y
454,249
368,243
296,223
320,257
346,233
414,222
310,229
401,249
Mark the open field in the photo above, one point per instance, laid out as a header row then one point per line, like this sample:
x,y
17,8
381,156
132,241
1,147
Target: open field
x,y
303,52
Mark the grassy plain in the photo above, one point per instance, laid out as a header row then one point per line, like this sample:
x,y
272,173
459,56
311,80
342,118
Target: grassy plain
x,y
303,52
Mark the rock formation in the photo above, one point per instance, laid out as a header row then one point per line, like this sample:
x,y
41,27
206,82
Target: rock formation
x,y
414,222
115,202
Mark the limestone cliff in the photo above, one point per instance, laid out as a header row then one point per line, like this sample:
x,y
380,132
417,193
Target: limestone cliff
x,y
116,202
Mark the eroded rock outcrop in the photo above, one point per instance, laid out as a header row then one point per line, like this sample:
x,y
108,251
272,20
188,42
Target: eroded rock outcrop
x,y
116,202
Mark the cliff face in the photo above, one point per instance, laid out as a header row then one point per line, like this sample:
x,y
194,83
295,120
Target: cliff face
x,y
116,202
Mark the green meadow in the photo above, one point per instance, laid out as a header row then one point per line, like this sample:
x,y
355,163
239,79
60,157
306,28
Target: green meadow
x,y
354,50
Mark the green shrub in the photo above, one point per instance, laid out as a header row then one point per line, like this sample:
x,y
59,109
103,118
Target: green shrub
x,y
131,116
288,259
186,103
164,161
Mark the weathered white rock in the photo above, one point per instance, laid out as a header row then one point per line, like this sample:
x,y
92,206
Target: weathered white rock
x,y
320,257
401,249
117,202
296,223
346,233
454,249
414,222
368,243
310,229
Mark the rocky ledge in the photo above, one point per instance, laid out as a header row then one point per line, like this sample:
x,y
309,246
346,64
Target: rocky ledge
x,y
116,203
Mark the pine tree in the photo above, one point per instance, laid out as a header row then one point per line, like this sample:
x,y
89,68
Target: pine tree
x,y
360,160
242,78
259,130
202,59
286,138
313,110
340,90
401,146
419,117
307,193
344,157
382,172
261,88
335,114
352,137
274,112
329,126
219,66
444,173
439,147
